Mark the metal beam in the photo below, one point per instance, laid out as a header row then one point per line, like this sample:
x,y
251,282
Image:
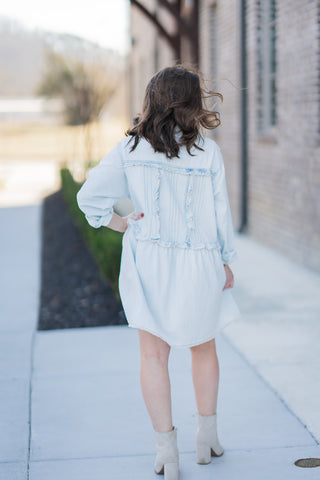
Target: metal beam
x,y
243,120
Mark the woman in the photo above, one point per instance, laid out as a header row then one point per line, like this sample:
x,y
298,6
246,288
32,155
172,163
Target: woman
x,y
175,278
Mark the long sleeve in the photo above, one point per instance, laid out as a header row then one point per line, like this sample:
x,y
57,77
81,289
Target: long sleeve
x,y
223,213
105,185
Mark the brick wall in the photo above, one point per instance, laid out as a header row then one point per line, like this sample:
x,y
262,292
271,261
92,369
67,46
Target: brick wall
x,y
284,171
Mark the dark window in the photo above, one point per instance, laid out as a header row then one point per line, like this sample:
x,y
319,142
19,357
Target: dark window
x,y
266,65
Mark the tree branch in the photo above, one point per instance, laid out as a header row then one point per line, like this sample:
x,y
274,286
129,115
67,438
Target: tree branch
x,y
170,38
174,10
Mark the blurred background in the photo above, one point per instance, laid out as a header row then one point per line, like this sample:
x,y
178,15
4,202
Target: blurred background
x,y
72,77
63,91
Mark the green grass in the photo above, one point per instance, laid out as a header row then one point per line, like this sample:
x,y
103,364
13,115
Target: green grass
x,y
104,243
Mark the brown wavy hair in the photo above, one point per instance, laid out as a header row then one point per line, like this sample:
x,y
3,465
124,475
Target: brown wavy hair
x,y
174,97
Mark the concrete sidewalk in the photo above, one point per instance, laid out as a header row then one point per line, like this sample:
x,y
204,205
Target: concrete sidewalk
x,y
20,289
71,403
279,333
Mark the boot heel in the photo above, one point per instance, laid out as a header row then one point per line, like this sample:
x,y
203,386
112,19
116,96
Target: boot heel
x,y
203,454
207,441
167,459
171,471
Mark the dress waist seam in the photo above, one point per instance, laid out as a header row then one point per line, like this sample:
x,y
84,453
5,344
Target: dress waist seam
x,y
186,244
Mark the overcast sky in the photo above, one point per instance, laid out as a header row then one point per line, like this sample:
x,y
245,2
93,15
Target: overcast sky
x,y
103,21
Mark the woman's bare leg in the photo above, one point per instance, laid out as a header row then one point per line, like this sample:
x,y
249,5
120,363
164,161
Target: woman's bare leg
x,y
205,376
155,381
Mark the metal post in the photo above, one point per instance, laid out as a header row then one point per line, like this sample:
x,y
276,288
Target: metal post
x,y
243,120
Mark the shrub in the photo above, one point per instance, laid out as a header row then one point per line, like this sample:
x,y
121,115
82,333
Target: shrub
x,y
104,243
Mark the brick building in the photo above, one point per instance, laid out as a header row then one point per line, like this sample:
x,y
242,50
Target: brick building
x,y
270,132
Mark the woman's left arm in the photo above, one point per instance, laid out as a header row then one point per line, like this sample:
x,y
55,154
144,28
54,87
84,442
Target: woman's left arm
x,y
105,185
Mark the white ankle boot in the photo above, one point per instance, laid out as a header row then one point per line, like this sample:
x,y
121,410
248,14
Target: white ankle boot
x,y
207,442
167,459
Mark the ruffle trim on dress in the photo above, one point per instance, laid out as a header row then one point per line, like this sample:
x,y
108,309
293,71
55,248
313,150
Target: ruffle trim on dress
x,y
188,208
190,245
171,168
156,207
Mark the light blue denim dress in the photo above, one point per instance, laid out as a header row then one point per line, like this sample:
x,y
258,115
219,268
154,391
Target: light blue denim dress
x,y
171,272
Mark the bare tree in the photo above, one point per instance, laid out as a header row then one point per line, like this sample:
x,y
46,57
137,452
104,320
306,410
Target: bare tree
x,y
84,88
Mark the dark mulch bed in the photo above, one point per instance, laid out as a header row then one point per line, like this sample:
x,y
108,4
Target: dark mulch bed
x,y
73,293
